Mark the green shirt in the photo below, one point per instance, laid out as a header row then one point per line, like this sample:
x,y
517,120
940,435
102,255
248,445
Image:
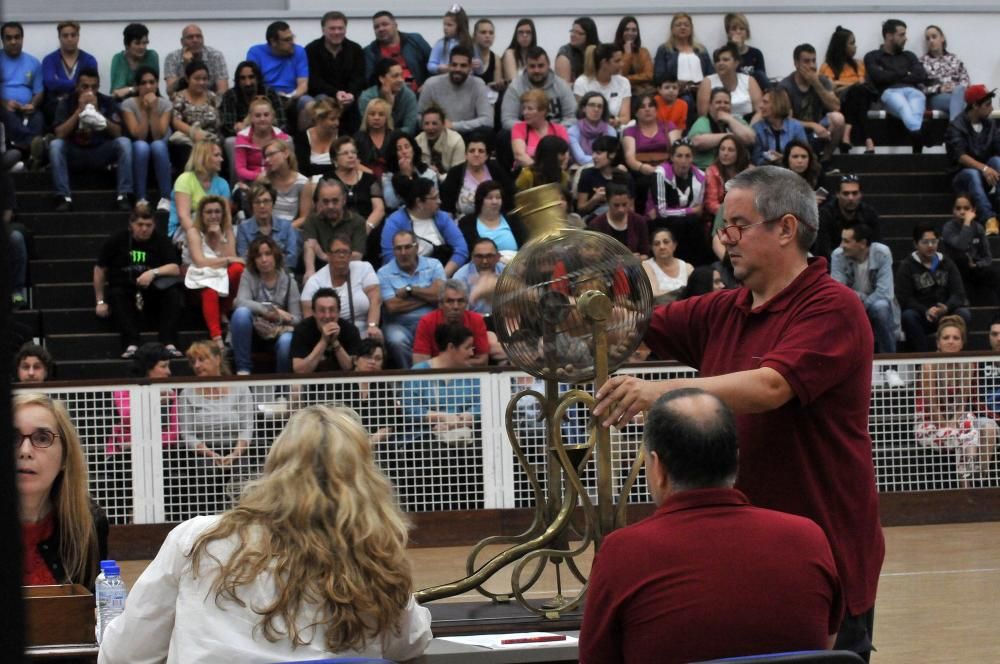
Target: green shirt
x,y
704,158
122,76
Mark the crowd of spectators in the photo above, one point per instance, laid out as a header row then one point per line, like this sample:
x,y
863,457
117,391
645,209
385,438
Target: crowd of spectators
x,y
385,174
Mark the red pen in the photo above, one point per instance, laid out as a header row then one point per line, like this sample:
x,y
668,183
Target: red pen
x,y
533,639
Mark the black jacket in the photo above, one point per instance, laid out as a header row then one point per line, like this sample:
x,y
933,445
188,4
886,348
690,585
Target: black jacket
x,y
894,70
329,74
49,549
832,222
451,187
920,289
961,139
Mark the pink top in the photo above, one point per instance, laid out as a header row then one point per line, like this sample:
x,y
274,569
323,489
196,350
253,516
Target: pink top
x,y
250,158
531,137
121,433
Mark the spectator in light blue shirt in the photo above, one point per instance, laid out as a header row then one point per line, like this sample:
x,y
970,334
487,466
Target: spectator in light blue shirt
x,y
21,91
411,287
480,275
285,68
264,223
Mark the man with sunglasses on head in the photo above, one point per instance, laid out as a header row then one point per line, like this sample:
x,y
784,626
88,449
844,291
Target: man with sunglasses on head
x,y
973,143
845,210
790,352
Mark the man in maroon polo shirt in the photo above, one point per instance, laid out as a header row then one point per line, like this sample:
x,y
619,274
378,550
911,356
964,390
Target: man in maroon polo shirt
x,y
708,575
791,353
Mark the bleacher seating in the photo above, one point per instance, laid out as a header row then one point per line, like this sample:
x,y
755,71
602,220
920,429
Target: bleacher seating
x,y
905,189
66,246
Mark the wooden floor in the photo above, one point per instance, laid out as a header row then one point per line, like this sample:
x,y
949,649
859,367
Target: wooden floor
x,y
938,598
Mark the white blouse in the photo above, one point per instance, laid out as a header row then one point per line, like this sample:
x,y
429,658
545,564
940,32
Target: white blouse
x,y
171,616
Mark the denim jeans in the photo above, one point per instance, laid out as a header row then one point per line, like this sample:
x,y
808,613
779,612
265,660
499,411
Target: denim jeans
x,y
907,104
880,315
972,181
64,155
399,343
241,336
141,152
18,258
22,128
953,102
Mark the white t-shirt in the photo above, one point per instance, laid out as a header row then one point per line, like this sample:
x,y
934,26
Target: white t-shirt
x,y
615,92
427,234
362,276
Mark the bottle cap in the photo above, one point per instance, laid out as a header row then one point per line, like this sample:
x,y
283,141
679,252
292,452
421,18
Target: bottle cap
x,y
113,570
108,563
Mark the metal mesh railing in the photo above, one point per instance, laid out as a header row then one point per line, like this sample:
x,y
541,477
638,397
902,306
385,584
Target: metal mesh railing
x,y
167,451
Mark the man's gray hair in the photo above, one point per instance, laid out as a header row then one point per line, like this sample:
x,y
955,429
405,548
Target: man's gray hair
x,y
778,191
455,285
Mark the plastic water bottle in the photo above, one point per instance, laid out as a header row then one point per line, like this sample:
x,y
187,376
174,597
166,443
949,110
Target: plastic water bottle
x,y
113,595
99,595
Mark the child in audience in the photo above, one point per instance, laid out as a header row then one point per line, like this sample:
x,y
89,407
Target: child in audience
x,y
456,31
669,107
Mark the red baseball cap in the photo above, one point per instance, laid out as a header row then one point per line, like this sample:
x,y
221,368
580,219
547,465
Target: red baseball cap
x,y
977,93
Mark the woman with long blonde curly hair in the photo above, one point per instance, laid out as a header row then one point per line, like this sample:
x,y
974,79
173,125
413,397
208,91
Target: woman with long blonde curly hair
x,y
65,535
311,561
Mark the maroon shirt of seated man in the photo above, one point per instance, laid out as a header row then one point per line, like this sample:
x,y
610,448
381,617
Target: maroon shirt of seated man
x,y
791,354
708,575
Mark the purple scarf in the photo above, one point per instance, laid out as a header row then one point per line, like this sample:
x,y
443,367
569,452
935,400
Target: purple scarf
x,y
589,133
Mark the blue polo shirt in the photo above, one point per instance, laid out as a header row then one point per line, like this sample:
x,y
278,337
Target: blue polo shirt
x,y
469,274
22,77
391,278
280,72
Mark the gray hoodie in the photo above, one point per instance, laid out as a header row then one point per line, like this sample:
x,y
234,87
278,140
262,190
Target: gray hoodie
x,y
562,103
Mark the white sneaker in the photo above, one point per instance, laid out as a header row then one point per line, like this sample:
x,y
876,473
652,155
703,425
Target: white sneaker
x,y
893,379
163,205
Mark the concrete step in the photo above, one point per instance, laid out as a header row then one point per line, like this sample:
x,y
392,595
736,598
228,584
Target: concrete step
x,y
69,246
892,163
85,321
61,270
83,201
895,183
911,203
103,346
63,296
102,223
112,368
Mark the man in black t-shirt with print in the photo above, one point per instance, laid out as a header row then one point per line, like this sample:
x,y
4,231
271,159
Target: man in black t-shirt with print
x,y
324,341
137,273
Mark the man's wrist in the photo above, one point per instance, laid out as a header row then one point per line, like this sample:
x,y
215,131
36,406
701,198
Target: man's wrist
x,y
100,301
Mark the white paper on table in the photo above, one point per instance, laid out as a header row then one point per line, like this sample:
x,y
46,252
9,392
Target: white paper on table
x,y
492,641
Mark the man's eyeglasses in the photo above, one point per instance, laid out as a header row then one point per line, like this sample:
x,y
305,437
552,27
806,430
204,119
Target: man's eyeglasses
x,y
734,233
40,438
929,242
